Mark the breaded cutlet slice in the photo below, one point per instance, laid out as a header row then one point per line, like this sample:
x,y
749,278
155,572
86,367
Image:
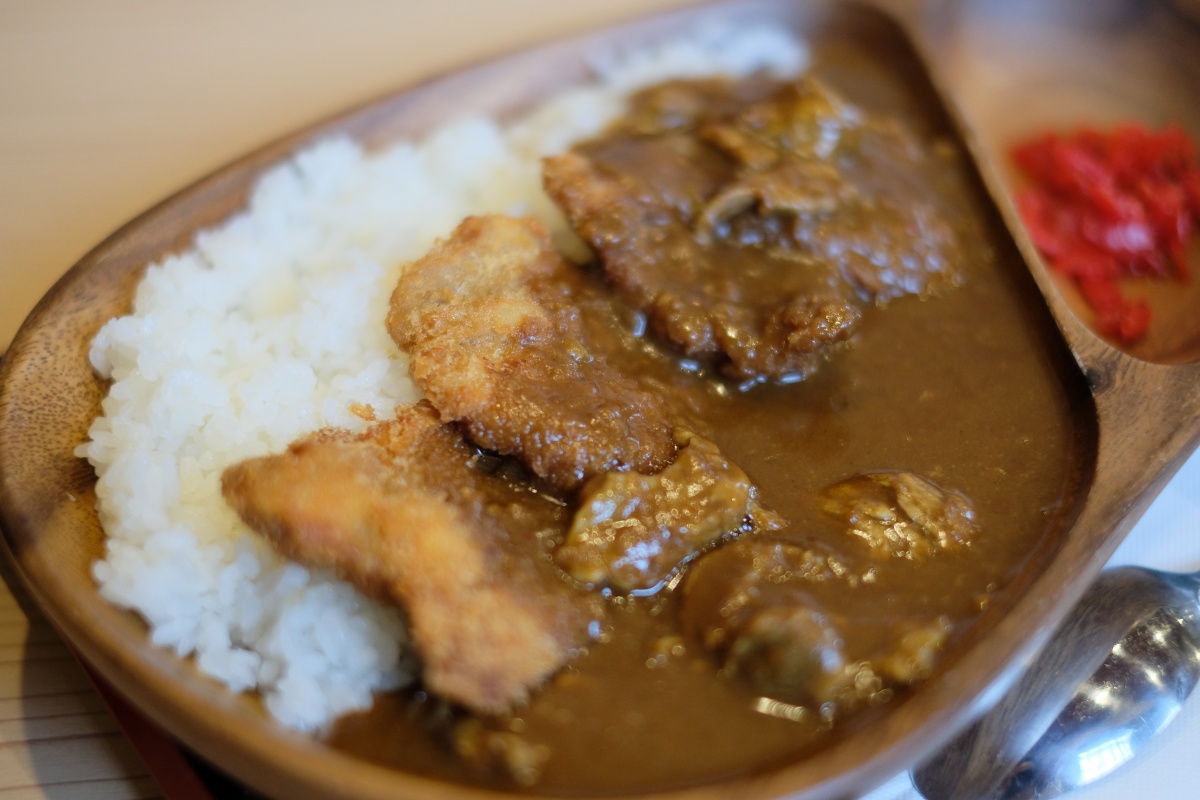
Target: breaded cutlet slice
x,y
410,513
495,344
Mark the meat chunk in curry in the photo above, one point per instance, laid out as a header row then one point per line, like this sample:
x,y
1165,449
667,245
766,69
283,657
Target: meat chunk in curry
x,y
783,644
902,515
632,531
751,222
495,344
411,513
800,626
504,752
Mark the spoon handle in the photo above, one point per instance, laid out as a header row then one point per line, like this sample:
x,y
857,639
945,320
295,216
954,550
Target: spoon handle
x,y
1190,581
992,759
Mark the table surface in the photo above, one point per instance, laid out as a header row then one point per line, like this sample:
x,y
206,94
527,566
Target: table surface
x,y
107,108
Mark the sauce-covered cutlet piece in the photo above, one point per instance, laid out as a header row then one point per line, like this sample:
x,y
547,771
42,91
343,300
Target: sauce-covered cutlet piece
x,y
752,221
410,513
632,531
495,344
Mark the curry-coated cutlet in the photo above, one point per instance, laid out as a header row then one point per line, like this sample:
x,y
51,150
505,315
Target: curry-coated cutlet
x,y
750,223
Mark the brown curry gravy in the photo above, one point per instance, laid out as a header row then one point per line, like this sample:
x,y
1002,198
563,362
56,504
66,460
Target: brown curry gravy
x,y
972,388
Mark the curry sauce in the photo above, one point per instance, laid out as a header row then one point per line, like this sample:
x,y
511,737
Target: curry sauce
x,y
927,359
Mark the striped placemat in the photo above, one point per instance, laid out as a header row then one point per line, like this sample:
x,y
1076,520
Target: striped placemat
x,y
58,739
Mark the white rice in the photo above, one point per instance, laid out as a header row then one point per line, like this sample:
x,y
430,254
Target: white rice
x,y
272,327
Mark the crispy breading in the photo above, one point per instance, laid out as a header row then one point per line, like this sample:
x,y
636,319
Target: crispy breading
x,y
495,344
410,513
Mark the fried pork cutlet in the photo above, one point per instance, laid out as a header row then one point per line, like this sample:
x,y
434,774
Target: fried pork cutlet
x,y
752,224
410,513
495,345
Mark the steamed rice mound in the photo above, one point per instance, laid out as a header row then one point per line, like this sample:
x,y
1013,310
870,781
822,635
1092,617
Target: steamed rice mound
x,y
272,327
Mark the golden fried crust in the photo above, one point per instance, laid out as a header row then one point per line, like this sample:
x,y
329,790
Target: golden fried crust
x,y
405,512
486,257
495,346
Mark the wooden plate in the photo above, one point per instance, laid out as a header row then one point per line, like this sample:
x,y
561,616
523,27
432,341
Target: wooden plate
x,y
1145,417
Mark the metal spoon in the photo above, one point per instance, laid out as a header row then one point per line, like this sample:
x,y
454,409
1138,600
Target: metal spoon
x,y
1113,675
